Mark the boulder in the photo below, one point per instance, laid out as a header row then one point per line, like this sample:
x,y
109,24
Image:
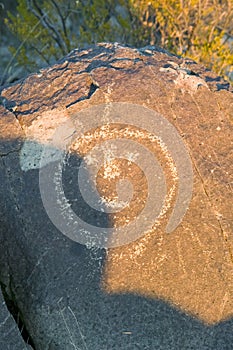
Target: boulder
x,y
116,202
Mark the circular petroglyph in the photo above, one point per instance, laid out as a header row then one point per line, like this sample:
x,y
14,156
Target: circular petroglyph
x,y
119,169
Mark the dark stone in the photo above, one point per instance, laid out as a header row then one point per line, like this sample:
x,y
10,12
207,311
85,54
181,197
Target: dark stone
x,y
10,337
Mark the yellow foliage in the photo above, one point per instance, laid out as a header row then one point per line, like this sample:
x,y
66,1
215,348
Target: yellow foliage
x,y
201,30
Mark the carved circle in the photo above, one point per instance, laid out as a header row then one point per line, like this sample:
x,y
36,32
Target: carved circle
x,y
120,168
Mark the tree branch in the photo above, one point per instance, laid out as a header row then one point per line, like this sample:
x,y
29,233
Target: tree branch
x,y
63,24
38,13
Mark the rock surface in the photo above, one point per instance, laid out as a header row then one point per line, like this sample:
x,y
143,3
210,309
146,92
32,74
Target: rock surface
x,y
10,337
160,291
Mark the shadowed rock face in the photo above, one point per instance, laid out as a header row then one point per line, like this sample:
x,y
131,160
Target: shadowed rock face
x,y
157,290
9,332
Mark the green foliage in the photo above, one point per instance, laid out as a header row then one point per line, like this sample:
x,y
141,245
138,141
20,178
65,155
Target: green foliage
x,y
49,29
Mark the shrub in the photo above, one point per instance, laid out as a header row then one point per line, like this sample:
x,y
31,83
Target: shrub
x,y
49,29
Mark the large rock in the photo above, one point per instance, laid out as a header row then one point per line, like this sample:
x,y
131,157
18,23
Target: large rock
x,y
161,285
